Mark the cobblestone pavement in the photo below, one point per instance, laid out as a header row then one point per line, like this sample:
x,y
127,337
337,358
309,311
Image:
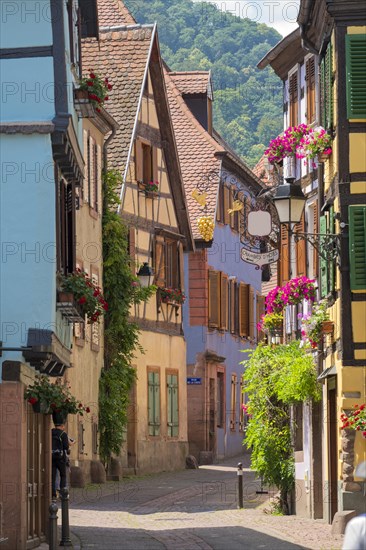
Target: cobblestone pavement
x,y
188,510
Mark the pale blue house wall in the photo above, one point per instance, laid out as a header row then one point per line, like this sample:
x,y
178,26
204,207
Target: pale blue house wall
x,y
28,186
223,256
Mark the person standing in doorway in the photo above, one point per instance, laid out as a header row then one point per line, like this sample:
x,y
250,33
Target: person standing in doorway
x,y
60,451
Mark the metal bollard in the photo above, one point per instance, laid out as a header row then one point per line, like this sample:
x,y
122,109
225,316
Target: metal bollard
x,y
240,486
65,526
52,523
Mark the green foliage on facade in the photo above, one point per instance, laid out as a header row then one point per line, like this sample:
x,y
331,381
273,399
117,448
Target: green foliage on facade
x,y
121,336
275,378
198,36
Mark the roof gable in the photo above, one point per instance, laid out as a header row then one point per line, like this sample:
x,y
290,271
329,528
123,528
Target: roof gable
x,y
114,12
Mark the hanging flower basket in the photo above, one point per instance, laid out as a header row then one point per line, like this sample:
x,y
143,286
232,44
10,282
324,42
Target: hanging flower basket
x,y
40,406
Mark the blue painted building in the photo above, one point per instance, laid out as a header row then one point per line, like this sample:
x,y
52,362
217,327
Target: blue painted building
x,y
223,292
41,169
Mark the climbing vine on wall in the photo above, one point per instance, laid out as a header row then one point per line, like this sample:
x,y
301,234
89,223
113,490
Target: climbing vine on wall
x,y
275,378
121,336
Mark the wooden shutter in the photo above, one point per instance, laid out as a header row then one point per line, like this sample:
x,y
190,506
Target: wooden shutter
x,y
251,318
147,163
138,161
310,90
331,267
326,88
172,405
284,256
260,311
220,205
224,311
356,75
243,309
315,230
86,168
159,261
154,403
323,263
357,246
214,299
233,306
301,249
155,167
98,191
293,93
233,402
226,204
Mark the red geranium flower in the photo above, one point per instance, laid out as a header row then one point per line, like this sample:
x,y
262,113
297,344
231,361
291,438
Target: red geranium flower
x,y
82,300
32,400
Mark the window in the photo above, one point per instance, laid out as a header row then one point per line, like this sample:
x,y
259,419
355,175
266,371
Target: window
x,y
327,270
81,443
356,75
154,402
300,248
260,311
294,99
146,162
251,318
357,246
220,399
233,287
243,417
94,438
326,88
224,299
243,310
172,405
214,309
168,262
233,402
66,226
310,90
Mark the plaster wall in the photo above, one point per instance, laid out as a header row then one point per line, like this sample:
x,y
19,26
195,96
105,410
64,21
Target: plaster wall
x,y
28,90
27,227
25,24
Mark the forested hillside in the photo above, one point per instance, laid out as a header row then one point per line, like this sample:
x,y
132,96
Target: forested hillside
x,y
198,36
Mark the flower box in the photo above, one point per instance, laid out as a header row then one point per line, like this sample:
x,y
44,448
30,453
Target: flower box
x,y
151,189
68,307
83,105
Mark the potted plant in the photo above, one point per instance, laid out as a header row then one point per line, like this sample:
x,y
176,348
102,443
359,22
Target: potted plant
x,y
151,188
87,294
172,296
46,397
95,88
271,323
355,420
293,292
312,324
300,141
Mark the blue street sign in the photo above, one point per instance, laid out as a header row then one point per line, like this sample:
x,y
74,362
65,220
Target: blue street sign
x,y
194,380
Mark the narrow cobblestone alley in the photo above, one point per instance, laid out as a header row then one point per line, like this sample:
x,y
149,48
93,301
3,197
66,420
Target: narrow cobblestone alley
x,y
188,510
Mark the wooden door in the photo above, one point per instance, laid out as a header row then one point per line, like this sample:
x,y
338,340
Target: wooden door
x,y
36,478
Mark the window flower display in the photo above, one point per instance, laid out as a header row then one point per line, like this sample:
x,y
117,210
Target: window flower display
x,y
301,141
293,292
355,420
271,322
97,88
312,324
86,293
172,295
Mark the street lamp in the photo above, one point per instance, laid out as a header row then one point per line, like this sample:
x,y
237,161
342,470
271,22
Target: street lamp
x,y
145,274
289,201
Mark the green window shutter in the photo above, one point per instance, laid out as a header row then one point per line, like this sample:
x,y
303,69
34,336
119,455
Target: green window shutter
x,y
323,263
154,403
326,88
357,246
356,75
331,229
323,103
172,403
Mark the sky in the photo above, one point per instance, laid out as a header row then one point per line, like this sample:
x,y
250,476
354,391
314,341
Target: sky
x,y
280,14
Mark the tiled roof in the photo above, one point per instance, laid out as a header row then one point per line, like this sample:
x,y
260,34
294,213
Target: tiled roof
x,y
197,152
112,13
194,82
121,56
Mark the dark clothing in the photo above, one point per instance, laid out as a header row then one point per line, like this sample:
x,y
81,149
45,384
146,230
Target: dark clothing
x,y
59,459
60,465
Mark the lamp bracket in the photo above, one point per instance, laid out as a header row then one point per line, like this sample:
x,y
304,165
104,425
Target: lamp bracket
x,y
328,245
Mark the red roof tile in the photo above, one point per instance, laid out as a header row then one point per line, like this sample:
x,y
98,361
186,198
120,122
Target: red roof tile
x,y
193,82
121,56
199,155
112,13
